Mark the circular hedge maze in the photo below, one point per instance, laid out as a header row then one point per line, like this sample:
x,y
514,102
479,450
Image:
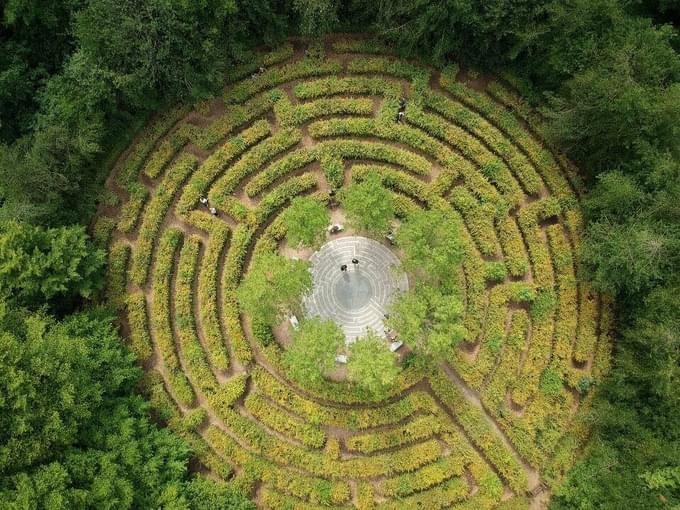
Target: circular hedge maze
x,y
497,424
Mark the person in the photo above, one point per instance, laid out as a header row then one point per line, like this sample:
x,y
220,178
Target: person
x,y
355,261
402,104
343,267
213,211
400,117
203,200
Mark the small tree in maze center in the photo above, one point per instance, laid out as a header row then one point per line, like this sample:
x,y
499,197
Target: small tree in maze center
x,y
428,320
432,247
312,353
371,365
273,287
306,220
368,204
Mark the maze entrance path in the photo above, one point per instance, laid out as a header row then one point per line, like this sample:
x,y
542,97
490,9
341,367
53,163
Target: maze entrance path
x,y
356,299
497,423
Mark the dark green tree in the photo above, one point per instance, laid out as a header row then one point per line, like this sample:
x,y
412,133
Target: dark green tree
x,y
317,17
629,258
312,352
306,220
73,434
428,320
371,365
273,287
432,247
475,31
368,204
40,265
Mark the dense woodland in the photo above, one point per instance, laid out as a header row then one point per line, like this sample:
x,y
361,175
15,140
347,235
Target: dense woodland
x,y
79,77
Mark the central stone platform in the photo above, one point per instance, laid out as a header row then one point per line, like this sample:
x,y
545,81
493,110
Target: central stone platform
x,y
356,299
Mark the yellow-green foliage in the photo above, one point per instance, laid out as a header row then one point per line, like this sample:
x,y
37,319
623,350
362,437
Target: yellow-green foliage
x,y
267,413
160,317
140,341
134,160
419,428
119,254
154,214
466,434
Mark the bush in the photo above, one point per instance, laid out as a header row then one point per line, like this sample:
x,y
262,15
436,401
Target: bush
x,y
39,265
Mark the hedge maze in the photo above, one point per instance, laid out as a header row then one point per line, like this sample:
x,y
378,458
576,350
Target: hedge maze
x,y
497,425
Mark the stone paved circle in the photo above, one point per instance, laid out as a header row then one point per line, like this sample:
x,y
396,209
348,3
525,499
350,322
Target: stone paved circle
x,y
358,298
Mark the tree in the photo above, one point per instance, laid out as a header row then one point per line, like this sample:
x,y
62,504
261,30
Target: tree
x,y
39,265
317,17
313,350
306,220
169,48
432,247
73,431
629,258
636,417
273,287
428,320
625,101
478,32
371,365
368,204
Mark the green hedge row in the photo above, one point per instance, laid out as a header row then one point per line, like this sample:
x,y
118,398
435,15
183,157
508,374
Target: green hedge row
x,y
233,117
515,131
479,219
276,56
287,164
217,163
445,495
489,164
208,309
128,172
460,115
196,364
390,67
155,213
160,323
283,193
231,276
251,161
167,150
275,76
292,427
140,340
132,208
116,274
541,265
295,115
325,464
424,478
355,85
355,419
361,46
479,431
513,247
421,427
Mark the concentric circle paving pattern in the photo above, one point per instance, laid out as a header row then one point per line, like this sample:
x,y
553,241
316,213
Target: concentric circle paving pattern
x,y
496,420
357,298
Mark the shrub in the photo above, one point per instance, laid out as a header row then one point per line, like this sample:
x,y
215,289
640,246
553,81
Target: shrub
x,y
368,205
305,221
